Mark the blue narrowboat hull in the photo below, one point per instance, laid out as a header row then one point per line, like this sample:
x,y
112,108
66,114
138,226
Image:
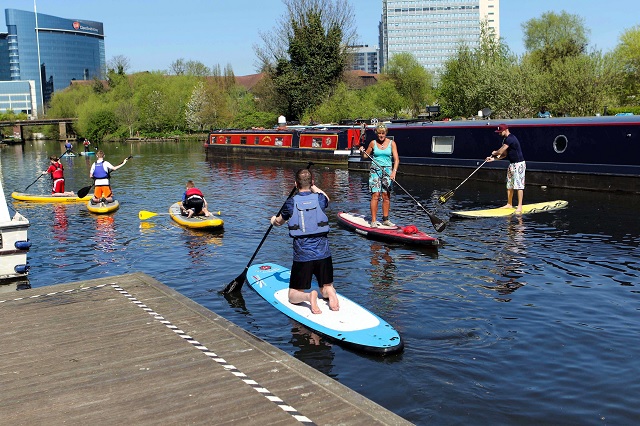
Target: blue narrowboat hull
x,y
596,153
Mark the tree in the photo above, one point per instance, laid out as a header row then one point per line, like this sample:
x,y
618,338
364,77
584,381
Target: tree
x,y
478,78
555,36
411,80
195,107
119,64
177,67
307,54
627,54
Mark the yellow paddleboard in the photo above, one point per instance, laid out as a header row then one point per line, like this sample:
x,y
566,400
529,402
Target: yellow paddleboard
x,y
102,208
48,198
527,208
196,222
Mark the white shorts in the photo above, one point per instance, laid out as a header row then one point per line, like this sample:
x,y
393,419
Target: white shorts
x,y
515,175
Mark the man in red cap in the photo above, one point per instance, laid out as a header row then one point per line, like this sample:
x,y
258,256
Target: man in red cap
x,y
511,150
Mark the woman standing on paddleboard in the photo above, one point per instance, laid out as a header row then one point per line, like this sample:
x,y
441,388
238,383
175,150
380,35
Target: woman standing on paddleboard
x,y
384,165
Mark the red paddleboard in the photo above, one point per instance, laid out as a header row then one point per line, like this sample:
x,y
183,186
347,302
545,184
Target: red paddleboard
x,y
398,234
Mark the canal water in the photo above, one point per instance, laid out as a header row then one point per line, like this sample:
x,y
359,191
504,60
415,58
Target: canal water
x,y
530,320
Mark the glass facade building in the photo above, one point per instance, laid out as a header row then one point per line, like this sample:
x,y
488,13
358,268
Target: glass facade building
x,y
365,58
432,30
51,51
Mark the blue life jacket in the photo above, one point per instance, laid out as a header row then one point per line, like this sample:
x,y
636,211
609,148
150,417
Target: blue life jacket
x,y
99,172
308,219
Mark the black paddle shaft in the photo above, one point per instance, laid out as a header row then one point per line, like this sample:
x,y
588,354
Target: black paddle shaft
x,y
236,284
437,223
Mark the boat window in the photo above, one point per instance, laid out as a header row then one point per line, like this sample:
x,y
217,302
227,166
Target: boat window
x,y
442,144
227,139
243,140
279,141
256,140
560,144
316,142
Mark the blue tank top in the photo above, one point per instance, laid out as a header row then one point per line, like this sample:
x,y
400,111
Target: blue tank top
x,y
382,156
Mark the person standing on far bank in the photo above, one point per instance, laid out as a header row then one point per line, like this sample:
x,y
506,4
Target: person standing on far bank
x,y
511,150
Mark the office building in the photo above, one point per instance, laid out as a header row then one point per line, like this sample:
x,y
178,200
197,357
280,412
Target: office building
x,y
433,30
51,51
365,58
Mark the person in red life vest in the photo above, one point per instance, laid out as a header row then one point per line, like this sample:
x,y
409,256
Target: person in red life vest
x,y
86,144
193,202
57,178
100,172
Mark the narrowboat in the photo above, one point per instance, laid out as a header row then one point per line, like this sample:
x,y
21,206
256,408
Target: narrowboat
x,y
324,144
593,153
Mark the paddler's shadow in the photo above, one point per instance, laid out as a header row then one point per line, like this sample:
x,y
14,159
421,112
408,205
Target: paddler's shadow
x,y
313,349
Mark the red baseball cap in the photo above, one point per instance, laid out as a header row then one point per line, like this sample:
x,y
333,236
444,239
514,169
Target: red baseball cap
x,y
502,128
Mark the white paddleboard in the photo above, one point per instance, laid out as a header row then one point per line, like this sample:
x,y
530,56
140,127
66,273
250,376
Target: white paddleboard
x,y
352,325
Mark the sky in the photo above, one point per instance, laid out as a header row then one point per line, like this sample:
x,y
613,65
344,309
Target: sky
x,y
154,33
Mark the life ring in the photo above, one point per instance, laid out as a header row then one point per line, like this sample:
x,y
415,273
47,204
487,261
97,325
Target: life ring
x,y
266,139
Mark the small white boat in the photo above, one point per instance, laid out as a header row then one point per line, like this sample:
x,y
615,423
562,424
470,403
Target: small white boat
x,y
14,243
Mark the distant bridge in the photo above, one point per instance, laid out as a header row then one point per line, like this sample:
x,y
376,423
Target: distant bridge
x,y
18,125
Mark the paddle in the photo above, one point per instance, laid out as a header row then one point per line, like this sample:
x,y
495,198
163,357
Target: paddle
x,y
445,197
236,284
144,214
41,174
437,223
82,192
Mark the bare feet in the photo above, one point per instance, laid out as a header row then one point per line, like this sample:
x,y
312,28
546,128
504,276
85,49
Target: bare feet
x,y
313,300
329,292
507,206
518,211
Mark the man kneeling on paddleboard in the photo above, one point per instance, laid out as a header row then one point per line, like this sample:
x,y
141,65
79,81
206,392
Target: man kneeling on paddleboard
x,y
309,227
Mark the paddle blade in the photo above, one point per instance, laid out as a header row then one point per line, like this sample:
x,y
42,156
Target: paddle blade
x,y
438,224
82,192
445,197
144,215
236,285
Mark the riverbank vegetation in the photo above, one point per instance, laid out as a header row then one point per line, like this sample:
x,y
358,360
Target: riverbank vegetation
x,y
303,62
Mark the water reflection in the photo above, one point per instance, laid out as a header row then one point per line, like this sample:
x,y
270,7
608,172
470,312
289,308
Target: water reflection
x,y
105,237
60,224
383,269
312,349
21,284
509,262
198,244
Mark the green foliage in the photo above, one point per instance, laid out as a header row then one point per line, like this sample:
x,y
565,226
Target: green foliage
x,y
412,81
555,36
627,55
100,123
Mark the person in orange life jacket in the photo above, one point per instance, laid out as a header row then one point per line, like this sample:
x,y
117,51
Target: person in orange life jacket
x,y
511,150
193,202
311,253
100,172
57,177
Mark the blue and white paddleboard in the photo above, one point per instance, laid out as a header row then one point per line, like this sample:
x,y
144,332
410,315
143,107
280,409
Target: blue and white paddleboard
x,y
352,325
